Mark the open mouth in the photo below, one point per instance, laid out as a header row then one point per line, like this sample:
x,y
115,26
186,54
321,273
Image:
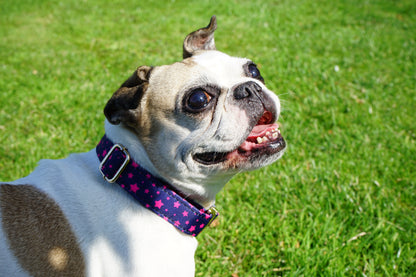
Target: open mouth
x,y
264,139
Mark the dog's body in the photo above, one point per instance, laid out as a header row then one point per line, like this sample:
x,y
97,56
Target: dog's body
x,y
114,235
193,124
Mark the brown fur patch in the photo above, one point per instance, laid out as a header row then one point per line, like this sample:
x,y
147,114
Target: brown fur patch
x,y
38,233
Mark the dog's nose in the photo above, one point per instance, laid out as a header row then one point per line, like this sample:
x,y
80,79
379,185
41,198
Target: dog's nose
x,y
246,90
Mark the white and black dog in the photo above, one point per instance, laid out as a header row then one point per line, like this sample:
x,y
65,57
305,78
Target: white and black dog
x,y
174,135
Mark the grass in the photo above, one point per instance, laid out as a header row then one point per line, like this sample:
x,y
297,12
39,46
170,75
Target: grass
x,y
341,202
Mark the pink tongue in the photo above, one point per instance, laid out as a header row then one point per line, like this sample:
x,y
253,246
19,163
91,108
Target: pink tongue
x,y
261,130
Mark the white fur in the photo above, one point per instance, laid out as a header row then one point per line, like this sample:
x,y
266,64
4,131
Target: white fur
x,y
117,235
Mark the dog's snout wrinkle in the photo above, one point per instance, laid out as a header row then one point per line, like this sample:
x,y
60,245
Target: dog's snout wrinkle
x,y
246,90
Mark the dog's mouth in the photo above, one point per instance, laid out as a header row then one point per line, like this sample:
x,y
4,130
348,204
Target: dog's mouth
x,y
264,139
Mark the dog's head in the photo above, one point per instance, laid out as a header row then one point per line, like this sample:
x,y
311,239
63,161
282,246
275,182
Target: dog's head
x,y
200,120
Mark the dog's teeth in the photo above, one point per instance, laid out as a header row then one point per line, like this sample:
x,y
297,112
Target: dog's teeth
x,y
270,135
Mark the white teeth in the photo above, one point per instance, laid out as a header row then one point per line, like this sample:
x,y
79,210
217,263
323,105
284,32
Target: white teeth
x,y
270,135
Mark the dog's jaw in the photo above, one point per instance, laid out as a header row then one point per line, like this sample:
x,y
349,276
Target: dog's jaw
x,y
196,186
263,146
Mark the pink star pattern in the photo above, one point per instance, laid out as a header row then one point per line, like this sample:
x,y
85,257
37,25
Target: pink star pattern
x,y
134,188
185,213
158,204
176,204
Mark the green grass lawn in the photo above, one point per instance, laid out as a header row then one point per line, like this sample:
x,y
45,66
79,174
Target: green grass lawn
x,y
342,200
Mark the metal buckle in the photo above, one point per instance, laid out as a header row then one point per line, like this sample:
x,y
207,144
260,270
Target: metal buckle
x,y
122,167
214,213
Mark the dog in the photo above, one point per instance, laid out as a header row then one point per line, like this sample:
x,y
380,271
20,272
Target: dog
x,y
174,136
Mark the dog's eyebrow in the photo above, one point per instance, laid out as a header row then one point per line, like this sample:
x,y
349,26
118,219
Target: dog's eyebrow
x,y
201,82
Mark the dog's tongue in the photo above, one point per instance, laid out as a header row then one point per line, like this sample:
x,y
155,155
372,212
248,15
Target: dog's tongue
x,y
259,131
263,126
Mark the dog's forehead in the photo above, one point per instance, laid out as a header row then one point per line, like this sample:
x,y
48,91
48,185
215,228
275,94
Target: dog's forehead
x,y
220,66
205,67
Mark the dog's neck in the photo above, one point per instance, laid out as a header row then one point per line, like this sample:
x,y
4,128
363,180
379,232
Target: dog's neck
x,y
117,166
200,193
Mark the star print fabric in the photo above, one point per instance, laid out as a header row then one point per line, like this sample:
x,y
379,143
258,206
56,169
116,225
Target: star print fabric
x,y
151,192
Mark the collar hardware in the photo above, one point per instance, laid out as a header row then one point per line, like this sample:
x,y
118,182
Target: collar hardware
x,y
125,154
214,213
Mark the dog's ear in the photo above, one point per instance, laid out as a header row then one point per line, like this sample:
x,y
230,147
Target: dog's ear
x,y
202,39
121,106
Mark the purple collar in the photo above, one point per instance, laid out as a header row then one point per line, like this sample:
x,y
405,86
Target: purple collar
x,y
153,193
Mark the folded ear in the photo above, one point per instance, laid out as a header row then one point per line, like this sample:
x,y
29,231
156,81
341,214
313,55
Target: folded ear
x,y
121,106
202,39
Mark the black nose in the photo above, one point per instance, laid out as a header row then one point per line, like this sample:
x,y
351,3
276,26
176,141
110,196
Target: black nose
x,y
246,90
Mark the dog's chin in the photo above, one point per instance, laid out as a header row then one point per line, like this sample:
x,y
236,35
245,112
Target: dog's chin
x,y
263,146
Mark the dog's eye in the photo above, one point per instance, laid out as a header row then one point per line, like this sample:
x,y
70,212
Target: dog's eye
x,y
198,100
253,71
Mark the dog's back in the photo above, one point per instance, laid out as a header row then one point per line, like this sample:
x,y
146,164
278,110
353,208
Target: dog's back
x,y
36,228
65,220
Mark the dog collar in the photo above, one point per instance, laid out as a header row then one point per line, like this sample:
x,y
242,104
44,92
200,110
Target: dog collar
x,y
156,195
